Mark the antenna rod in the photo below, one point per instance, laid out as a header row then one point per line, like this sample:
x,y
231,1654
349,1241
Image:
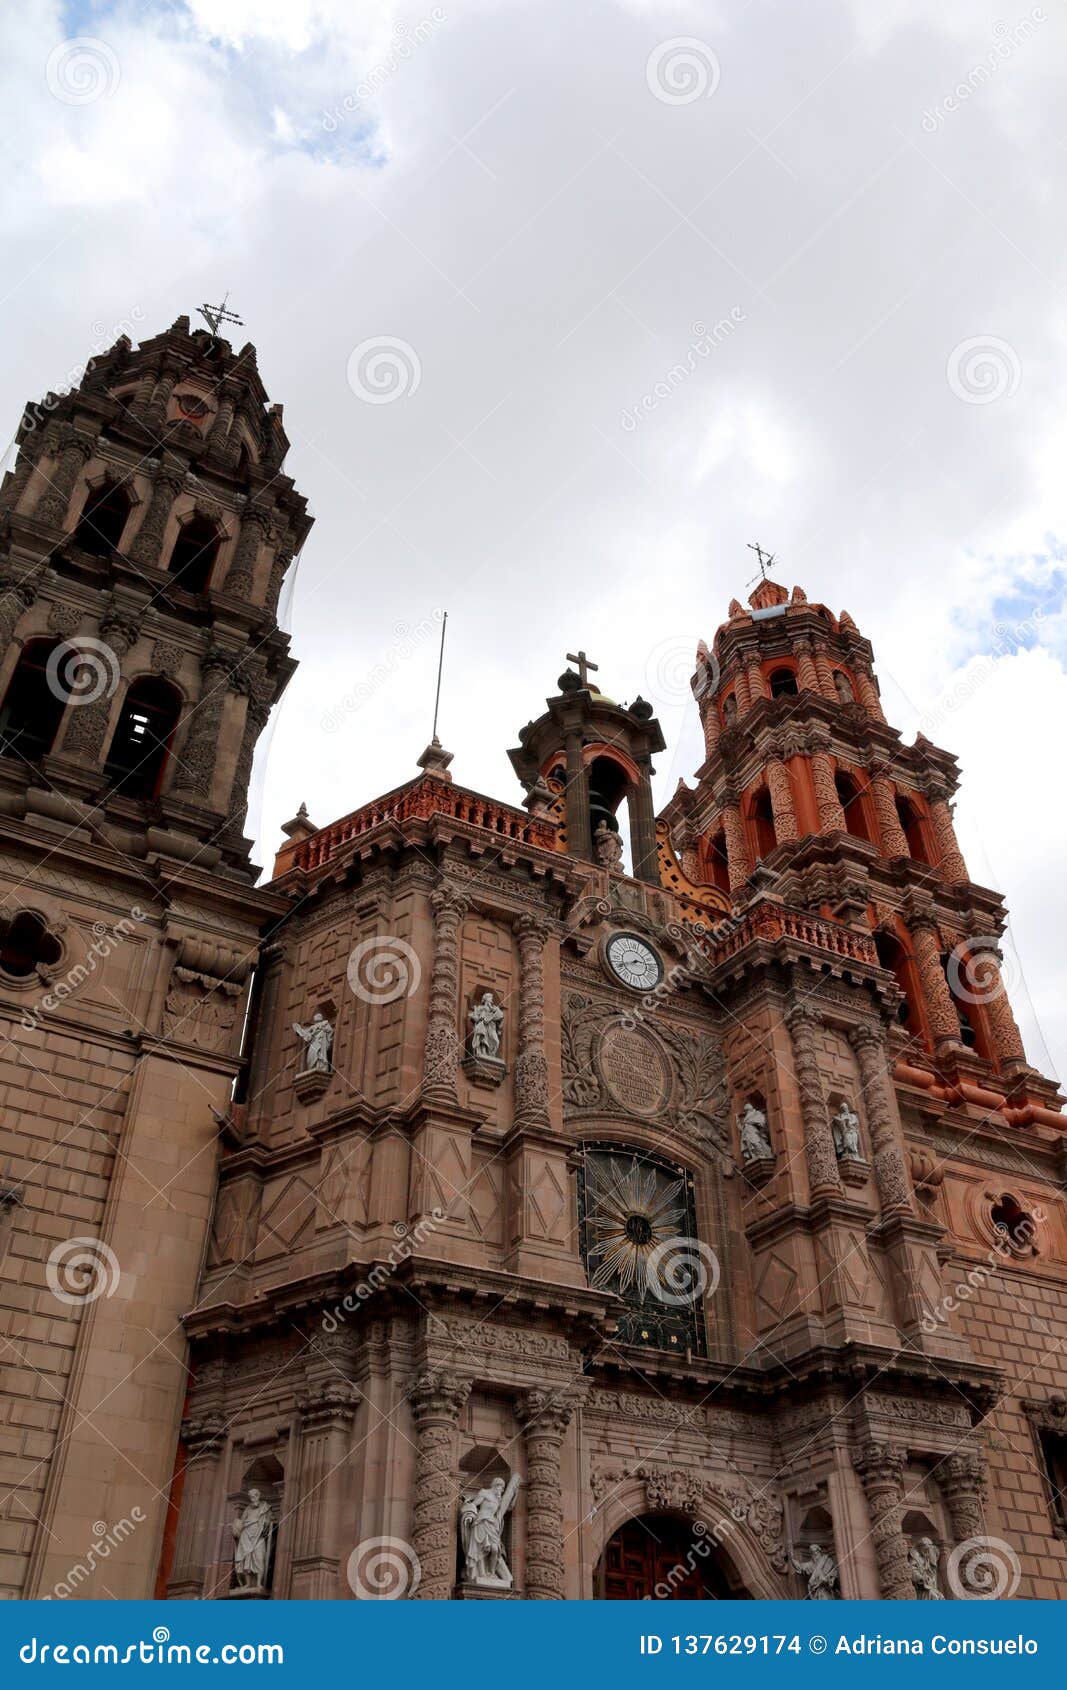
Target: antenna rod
x,y
440,667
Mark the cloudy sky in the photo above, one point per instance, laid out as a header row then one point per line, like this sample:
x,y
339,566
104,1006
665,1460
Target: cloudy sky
x,y
542,209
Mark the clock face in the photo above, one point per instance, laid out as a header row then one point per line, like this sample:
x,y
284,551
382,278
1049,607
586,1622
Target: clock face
x,y
633,962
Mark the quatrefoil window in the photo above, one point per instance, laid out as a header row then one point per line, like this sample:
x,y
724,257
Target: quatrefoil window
x,y
28,949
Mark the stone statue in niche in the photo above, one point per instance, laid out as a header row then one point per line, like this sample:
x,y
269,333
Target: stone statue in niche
x,y
486,1019
607,846
755,1138
318,1038
923,1557
845,1127
253,1533
843,685
729,711
820,1570
481,1534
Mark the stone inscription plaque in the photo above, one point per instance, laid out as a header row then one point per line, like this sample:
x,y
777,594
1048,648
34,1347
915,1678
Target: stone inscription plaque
x,y
634,1071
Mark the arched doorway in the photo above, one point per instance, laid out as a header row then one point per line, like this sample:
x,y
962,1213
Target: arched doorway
x,y
661,1557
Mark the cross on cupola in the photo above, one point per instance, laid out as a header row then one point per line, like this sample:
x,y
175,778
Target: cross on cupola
x,y
584,663
765,560
215,315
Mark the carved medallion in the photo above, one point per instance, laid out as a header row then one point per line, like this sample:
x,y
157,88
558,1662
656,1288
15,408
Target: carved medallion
x,y
633,1070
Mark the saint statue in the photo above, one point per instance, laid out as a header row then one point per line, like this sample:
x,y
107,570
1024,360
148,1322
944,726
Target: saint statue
x,y
486,1018
845,1127
318,1037
844,688
755,1139
607,846
253,1530
820,1570
923,1557
481,1533
729,711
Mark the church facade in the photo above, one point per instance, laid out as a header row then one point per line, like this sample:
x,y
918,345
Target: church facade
x,y
504,1200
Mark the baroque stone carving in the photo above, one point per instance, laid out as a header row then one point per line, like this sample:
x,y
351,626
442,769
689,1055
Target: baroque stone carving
x,y
845,1127
318,1040
819,1568
687,1491
923,1558
753,1134
253,1534
481,1533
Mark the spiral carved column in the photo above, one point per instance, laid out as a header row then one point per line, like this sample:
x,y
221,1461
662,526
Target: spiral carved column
x,y
962,1478
544,1416
147,546
831,815
944,1022
889,1171
436,1401
785,819
241,574
738,861
949,856
868,693
990,992
894,839
442,1039
17,594
531,1068
74,450
823,1176
881,1471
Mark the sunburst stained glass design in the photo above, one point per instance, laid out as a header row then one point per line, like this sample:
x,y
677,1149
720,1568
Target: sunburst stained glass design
x,y
633,1209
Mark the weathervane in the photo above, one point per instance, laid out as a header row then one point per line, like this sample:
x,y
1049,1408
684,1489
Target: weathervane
x,y
765,560
213,315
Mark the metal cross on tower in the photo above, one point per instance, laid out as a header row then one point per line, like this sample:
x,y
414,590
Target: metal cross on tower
x,y
765,559
213,315
585,664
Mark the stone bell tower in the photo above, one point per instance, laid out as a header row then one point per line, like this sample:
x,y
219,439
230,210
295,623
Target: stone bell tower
x,y
586,757
145,536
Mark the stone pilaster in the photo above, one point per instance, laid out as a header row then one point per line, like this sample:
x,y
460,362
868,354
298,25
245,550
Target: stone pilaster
x,y
147,546
74,450
204,1437
886,1145
195,766
241,574
576,799
443,1047
643,848
823,1176
881,1471
436,1401
531,1067
327,1408
544,1416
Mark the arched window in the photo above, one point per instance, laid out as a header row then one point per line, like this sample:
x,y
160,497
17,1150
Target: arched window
x,y
194,554
893,956
142,738
716,863
761,819
783,683
103,519
850,797
914,828
33,706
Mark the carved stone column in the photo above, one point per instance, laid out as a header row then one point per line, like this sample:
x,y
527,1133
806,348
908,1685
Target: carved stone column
x,y
259,692
576,799
218,438
436,1400
85,725
831,815
944,1022
204,1437
950,858
893,838
283,557
889,1170
823,1177
544,1417
195,771
643,847
531,1067
807,673
825,671
327,1409
785,819
17,594
868,693
993,997
443,1047
147,546
962,1478
881,1471
156,414
241,573
74,450
757,686
738,861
